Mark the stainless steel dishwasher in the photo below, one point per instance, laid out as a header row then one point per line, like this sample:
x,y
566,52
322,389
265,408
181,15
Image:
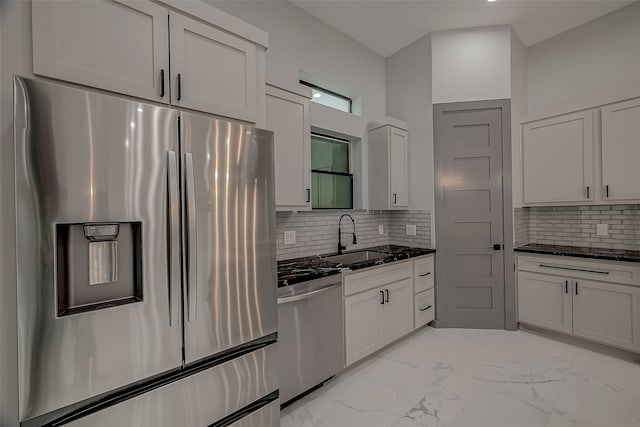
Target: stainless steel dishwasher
x,y
310,335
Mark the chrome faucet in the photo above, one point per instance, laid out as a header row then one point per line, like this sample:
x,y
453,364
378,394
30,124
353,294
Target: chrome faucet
x,y
340,246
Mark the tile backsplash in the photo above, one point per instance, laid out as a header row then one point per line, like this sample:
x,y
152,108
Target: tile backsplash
x,y
576,226
317,231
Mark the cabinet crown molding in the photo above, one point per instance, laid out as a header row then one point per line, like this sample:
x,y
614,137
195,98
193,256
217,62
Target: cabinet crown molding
x,y
216,17
388,121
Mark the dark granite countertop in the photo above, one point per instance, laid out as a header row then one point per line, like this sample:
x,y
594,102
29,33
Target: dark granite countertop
x,y
581,252
300,270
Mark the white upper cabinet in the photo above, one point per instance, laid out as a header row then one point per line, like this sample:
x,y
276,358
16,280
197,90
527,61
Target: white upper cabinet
x,y
143,49
288,117
388,166
120,46
398,170
558,159
621,151
212,71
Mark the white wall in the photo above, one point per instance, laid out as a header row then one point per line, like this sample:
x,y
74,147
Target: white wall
x,y
471,64
15,48
595,63
409,99
301,43
518,108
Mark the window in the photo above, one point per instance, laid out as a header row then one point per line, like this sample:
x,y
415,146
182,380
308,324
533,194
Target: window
x,y
328,98
331,179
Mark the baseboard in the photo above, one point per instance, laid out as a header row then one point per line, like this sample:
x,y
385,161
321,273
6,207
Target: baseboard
x,y
584,343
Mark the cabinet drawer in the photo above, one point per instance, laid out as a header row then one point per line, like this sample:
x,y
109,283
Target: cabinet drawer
x,y
423,274
376,277
425,308
609,271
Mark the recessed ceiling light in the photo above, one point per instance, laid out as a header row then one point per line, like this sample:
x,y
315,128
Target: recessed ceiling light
x,y
317,95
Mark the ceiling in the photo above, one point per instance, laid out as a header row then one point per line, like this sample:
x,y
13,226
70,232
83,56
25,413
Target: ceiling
x,y
386,26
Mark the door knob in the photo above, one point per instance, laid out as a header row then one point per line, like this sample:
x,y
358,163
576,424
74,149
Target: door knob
x,y
496,247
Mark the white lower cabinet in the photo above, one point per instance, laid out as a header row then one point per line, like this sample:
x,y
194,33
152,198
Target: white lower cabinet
x,y
398,316
607,313
545,300
364,324
578,301
379,315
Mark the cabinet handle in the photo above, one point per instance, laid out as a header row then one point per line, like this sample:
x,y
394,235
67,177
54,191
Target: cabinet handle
x,y
566,286
395,198
606,190
576,288
572,269
308,195
588,192
179,87
426,308
162,83
386,291
424,274
381,297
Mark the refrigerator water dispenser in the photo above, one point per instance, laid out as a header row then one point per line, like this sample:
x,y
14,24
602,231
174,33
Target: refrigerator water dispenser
x,y
99,265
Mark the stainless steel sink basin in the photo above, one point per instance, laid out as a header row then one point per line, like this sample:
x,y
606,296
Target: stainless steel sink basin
x,y
356,257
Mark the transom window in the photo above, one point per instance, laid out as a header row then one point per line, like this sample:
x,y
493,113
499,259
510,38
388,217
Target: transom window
x,y
330,99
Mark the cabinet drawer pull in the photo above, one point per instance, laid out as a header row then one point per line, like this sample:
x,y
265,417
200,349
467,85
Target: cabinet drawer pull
x,y
424,274
572,269
386,291
426,308
179,88
162,83
381,297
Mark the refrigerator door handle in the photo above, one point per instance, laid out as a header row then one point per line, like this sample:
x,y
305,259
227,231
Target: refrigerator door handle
x,y
174,238
191,237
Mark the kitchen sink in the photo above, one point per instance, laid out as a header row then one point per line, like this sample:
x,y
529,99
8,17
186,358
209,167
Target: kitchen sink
x,y
356,257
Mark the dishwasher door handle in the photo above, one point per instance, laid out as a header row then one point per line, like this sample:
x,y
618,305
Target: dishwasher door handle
x,y
307,295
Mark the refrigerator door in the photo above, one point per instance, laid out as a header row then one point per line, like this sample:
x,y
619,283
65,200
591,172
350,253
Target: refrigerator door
x,y
97,204
229,235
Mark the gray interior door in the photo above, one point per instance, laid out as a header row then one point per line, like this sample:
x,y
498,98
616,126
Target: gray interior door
x,y
469,218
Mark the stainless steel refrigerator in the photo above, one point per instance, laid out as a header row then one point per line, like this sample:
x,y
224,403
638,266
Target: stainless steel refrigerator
x,y
146,264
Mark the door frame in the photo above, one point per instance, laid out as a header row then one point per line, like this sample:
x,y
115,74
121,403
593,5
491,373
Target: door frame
x,y
439,110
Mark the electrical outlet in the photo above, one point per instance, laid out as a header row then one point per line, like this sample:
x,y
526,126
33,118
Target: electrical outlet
x,y
602,229
411,230
380,228
289,237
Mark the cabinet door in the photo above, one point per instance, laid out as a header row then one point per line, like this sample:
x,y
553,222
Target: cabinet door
x,y
288,117
558,159
607,313
398,171
398,310
120,46
364,325
621,151
545,300
212,71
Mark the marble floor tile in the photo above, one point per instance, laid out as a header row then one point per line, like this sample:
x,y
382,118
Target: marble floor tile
x,y
476,378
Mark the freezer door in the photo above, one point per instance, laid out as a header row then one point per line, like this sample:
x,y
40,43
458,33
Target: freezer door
x,y
229,240
238,393
96,181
